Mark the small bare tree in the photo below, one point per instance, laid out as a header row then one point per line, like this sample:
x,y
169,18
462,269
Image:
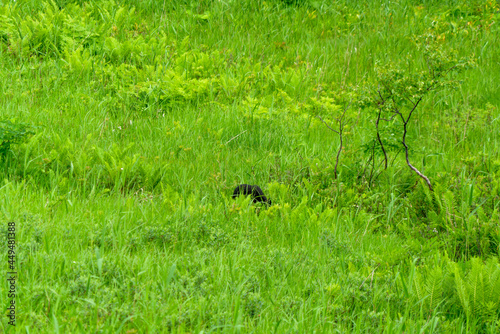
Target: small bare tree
x,y
341,122
400,91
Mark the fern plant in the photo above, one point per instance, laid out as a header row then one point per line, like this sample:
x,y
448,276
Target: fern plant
x,y
479,290
472,289
430,289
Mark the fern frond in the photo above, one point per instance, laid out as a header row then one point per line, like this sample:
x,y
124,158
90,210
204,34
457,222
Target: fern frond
x,y
475,284
434,288
419,286
461,288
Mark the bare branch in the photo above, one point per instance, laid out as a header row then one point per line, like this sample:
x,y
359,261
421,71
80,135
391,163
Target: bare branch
x,y
341,130
234,137
345,109
390,119
413,109
339,120
380,139
327,125
381,98
409,100
373,271
408,160
431,72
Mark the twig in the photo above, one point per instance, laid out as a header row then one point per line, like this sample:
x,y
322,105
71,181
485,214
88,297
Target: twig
x,y
380,139
328,125
341,128
235,137
369,160
390,119
405,123
340,120
382,101
466,123
103,126
373,271
408,159
373,164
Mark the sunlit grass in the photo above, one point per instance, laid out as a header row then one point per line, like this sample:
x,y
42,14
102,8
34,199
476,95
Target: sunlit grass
x,y
122,197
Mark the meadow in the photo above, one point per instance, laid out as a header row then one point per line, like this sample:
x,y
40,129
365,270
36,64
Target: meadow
x,y
126,125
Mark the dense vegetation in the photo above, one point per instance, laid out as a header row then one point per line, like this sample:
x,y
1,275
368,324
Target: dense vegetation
x,y
125,126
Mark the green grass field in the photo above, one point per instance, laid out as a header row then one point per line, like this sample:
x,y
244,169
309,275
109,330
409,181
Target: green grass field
x,y
125,126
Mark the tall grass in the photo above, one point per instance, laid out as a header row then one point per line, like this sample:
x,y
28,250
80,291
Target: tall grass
x,y
147,114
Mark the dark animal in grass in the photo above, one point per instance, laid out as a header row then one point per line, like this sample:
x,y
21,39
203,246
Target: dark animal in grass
x,y
255,191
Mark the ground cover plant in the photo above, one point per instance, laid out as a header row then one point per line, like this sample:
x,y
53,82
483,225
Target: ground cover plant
x,y
126,126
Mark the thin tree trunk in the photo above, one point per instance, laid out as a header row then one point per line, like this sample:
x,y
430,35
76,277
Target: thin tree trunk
x,y
410,165
380,140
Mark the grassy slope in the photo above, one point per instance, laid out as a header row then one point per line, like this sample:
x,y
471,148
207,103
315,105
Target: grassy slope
x,y
102,249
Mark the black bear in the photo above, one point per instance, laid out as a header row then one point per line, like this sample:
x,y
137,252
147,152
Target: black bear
x,y
255,191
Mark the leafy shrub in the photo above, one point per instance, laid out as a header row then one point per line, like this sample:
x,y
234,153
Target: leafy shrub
x,y
158,235
12,133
